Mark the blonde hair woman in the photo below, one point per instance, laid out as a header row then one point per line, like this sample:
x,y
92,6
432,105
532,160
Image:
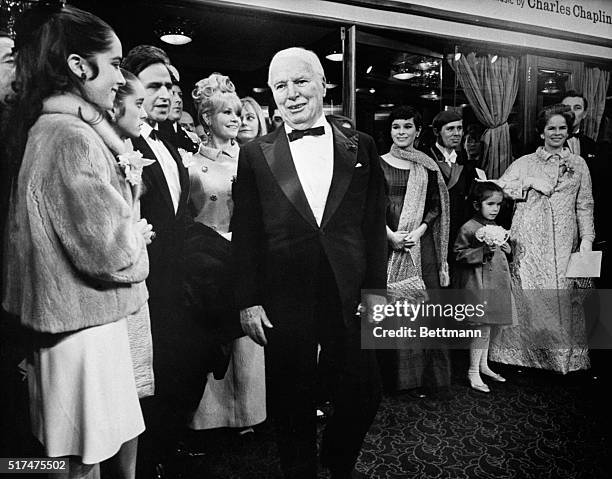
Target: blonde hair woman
x,y
238,400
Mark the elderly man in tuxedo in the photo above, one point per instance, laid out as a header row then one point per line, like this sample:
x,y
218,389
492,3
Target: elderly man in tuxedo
x,y
308,237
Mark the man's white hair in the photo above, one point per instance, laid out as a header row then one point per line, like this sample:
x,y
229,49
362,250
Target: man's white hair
x,y
307,56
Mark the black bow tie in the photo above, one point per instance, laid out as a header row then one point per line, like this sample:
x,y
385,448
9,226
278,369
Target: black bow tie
x,y
297,134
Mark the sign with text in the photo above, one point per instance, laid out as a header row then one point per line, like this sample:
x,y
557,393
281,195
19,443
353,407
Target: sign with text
x,y
587,17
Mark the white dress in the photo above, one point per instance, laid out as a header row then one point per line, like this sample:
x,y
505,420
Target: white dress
x,y
83,399
239,399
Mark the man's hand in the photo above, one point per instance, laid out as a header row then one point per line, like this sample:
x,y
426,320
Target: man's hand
x,y
253,320
506,248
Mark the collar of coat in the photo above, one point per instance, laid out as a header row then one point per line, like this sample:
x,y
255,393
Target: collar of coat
x,y
71,104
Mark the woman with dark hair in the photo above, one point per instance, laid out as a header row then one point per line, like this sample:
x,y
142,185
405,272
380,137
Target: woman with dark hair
x,y
417,231
553,218
77,258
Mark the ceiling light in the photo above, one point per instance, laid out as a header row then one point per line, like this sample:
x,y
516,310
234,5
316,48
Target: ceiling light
x,y
550,87
331,86
334,56
176,32
494,58
387,105
457,56
259,89
405,75
432,95
372,90
369,69
548,71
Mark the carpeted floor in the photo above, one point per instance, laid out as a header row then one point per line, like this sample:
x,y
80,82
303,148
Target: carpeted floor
x,y
536,425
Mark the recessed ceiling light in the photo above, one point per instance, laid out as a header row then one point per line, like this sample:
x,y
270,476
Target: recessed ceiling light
x,y
331,86
372,90
259,89
387,105
369,69
334,56
405,75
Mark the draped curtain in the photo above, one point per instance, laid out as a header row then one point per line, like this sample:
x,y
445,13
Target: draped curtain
x,y
595,87
491,88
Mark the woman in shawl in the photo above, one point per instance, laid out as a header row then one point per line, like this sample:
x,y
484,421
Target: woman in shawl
x,y
417,230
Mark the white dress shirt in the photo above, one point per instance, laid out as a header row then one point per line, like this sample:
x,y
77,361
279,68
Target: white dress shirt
x,y
313,157
449,158
167,163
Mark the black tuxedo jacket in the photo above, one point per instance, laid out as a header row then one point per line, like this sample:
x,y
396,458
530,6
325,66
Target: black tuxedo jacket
x,y
277,243
178,138
164,281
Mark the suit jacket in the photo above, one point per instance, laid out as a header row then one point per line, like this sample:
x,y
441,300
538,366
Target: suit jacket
x,y
164,281
459,180
178,138
276,240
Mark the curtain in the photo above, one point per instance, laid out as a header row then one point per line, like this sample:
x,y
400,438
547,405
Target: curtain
x,y
595,87
491,89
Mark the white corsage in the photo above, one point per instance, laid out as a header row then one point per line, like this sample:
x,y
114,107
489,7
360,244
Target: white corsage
x,y
132,164
186,157
492,235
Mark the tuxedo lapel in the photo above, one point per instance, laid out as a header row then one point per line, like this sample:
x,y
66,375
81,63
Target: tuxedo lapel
x,y
155,171
345,159
278,156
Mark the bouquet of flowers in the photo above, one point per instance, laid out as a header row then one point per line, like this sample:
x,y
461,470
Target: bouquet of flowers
x,y
492,235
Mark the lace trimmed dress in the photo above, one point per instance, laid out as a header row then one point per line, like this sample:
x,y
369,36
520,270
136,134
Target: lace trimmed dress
x,y
239,399
545,231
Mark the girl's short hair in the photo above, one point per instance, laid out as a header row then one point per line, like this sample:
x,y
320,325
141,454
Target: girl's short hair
x,y
124,91
559,109
211,93
261,119
483,190
406,113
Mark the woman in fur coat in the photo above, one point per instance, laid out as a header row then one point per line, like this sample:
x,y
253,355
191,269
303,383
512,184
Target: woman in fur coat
x,y
76,254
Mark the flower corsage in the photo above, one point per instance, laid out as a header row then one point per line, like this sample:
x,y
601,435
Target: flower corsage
x,y
566,166
132,164
186,157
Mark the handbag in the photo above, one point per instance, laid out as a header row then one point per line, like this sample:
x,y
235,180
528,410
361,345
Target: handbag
x,y
411,287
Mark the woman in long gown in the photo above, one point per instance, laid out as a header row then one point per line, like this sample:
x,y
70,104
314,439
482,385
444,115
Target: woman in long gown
x,y
237,400
76,255
553,218
417,230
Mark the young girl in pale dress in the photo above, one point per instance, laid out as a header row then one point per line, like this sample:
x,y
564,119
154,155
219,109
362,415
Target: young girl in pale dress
x,y
76,255
482,270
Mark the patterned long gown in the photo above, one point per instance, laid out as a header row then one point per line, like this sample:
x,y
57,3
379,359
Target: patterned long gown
x,y
545,231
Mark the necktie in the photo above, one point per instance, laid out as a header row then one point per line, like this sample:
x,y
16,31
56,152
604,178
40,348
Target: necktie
x,y
154,135
297,134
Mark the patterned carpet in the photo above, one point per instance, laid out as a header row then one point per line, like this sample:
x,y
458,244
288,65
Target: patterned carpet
x,y
536,425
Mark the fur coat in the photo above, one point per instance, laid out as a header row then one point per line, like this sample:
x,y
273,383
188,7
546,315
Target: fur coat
x,y
74,257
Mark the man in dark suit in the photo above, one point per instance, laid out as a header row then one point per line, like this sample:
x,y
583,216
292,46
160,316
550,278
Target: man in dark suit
x,y
171,128
459,174
308,236
179,348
